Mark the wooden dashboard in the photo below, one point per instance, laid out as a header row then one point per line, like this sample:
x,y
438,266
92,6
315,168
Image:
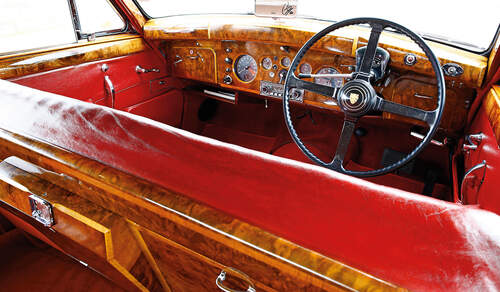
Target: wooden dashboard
x,y
205,48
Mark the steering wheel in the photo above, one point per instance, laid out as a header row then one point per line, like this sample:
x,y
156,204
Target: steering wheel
x,y
357,97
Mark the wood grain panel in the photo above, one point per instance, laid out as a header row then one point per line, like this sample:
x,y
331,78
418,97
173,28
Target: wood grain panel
x,y
145,275
493,60
105,234
401,86
296,32
421,92
21,220
135,12
185,269
399,46
196,28
194,63
40,61
197,227
492,107
30,265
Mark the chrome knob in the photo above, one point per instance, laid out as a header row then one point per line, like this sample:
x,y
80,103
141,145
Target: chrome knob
x,y
227,79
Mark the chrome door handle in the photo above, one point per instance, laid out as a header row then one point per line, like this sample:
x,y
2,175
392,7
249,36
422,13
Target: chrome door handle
x,y
473,141
110,89
468,175
139,70
222,277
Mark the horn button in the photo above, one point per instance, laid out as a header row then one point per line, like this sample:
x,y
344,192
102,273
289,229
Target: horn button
x,y
357,97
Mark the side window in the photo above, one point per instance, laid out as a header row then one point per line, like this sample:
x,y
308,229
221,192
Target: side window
x,y
28,24
97,16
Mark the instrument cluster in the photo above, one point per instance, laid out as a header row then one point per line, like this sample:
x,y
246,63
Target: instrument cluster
x,y
246,69
275,63
262,69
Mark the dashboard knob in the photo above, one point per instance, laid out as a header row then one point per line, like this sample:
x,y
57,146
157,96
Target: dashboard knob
x,y
453,70
410,59
228,60
227,79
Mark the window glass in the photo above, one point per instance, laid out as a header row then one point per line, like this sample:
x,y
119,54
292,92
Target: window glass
x,y
470,24
98,16
28,24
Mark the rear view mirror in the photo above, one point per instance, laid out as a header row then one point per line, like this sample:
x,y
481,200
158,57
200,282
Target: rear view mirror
x,y
276,8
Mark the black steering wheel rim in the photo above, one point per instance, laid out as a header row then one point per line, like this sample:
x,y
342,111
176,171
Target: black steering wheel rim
x,y
431,117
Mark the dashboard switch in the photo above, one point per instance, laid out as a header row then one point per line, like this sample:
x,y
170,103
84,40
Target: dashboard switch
x,y
453,70
228,60
410,59
227,79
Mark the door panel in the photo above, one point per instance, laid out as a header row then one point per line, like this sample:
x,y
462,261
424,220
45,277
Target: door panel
x,y
78,72
37,61
481,186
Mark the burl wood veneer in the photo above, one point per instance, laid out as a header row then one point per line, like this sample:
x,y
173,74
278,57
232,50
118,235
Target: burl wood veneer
x,y
295,32
399,86
171,222
90,227
26,63
492,107
194,63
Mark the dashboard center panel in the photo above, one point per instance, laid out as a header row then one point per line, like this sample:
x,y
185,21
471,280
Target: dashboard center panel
x,y
276,90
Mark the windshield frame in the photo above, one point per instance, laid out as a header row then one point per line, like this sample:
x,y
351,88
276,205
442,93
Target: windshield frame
x,y
455,44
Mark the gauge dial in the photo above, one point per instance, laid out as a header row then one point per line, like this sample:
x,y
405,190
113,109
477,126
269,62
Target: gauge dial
x,y
267,63
285,62
245,68
305,68
328,81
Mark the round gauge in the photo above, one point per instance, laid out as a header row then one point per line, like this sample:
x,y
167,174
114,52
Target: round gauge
x,y
285,62
267,63
305,68
245,68
329,81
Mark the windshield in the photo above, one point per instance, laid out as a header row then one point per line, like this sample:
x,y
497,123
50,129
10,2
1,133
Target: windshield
x,y
470,24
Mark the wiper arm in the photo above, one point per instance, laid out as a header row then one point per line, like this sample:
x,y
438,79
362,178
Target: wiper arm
x,y
448,40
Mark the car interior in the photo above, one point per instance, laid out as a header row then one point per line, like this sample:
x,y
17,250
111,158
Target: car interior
x,y
368,150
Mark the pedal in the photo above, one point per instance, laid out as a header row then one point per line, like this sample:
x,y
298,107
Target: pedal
x,y
390,157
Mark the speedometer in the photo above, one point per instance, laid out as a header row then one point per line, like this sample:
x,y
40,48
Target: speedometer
x,y
245,68
329,81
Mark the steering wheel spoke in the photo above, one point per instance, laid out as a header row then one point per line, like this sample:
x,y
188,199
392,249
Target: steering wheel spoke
x,y
343,143
406,111
364,70
329,91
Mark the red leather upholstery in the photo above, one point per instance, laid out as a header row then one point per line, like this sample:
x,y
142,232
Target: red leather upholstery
x,y
417,242
486,195
86,81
